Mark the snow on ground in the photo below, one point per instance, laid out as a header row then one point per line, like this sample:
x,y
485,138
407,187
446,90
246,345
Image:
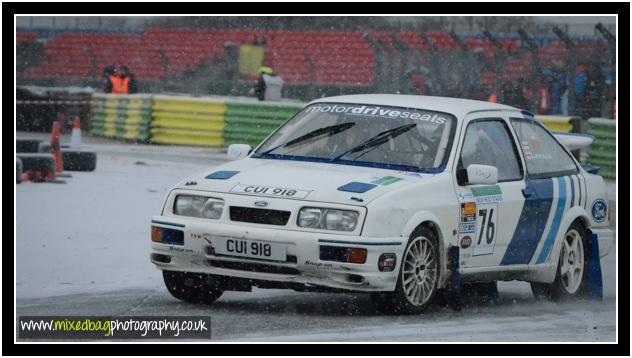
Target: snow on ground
x,y
82,248
92,233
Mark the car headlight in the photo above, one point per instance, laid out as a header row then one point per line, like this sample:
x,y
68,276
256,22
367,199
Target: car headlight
x,y
198,206
328,219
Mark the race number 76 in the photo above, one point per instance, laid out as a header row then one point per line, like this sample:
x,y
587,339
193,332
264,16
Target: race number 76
x,y
487,226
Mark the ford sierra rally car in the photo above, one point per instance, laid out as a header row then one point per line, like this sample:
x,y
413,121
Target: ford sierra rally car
x,y
369,192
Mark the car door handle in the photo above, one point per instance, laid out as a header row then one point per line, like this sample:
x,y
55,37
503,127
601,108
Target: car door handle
x,y
527,193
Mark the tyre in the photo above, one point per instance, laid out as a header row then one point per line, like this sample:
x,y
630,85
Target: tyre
x,y
44,147
27,145
570,278
193,287
79,160
18,169
418,278
37,162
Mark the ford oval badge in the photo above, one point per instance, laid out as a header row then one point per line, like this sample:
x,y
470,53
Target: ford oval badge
x,y
261,204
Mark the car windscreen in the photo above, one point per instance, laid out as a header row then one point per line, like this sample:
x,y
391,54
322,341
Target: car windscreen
x,y
360,134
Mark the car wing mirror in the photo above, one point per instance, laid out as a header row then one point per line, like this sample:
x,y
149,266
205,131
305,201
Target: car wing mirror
x,y
238,151
477,174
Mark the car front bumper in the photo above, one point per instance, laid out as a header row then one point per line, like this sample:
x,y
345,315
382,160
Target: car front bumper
x,y
303,266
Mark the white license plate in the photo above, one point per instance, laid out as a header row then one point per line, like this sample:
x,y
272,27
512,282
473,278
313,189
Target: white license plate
x,y
261,190
251,248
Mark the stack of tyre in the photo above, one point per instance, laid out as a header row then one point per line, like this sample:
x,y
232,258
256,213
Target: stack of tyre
x,y
35,155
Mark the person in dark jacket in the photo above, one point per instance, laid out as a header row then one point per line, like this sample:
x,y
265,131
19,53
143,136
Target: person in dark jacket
x,y
108,72
125,75
590,99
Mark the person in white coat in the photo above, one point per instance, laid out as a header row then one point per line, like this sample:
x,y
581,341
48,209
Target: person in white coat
x,y
269,86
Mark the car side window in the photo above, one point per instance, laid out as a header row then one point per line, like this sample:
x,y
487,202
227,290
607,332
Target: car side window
x,y
489,142
544,156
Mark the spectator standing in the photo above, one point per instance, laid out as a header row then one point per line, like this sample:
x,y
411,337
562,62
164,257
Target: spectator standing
x,y
543,98
108,72
564,103
591,98
123,82
506,93
556,89
579,83
492,98
269,86
417,83
523,94
514,95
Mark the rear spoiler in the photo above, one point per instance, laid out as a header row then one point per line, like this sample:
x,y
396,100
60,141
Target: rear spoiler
x,y
574,141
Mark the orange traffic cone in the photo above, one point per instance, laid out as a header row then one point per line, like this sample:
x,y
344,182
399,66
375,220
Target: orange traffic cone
x,y
75,137
56,150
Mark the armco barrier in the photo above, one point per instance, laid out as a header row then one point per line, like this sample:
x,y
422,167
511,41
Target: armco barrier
x,y
187,121
603,150
251,122
562,124
121,116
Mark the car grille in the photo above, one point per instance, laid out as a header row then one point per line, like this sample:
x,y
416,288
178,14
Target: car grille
x,y
253,267
259,216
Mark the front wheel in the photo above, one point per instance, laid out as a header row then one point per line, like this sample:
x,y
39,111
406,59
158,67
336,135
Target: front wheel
x,y
193,287
418,276
570,278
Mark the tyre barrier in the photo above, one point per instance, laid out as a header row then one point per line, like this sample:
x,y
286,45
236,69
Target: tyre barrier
x,y
603,152
84,160
44,147
251,123
199,121
18,170
187,121
27,145
561,124
79,160
121,116
40,164
566,124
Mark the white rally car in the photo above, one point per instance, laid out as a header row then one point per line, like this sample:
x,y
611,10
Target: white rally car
x,y
369,192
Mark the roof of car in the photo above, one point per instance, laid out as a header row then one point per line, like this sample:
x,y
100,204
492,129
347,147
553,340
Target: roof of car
x,y
456,106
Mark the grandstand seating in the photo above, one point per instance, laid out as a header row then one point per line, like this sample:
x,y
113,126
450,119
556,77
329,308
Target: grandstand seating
x,y
25,36
339,58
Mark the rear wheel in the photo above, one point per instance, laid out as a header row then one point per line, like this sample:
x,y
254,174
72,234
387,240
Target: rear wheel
x,y
193,287
418,277
570,278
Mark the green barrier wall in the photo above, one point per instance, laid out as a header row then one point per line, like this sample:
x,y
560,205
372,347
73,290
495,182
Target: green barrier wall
x,y
187,121
121,116
560,124
603,151
250,123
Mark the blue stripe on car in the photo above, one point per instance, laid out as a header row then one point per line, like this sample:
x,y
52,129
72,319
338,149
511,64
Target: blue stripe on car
x,y
531,223
533,219
579,189
555,225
